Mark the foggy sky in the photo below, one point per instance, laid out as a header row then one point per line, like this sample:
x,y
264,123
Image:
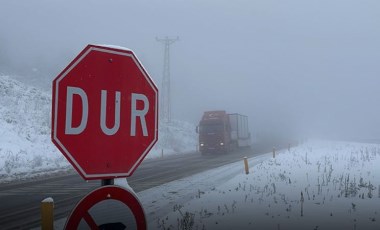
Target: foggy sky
x,y
296,65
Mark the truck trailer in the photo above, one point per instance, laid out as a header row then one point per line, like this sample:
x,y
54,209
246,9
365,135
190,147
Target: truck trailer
x,y
222,132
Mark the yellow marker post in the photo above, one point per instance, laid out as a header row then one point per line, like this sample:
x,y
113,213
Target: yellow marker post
x,y
246,165
47,214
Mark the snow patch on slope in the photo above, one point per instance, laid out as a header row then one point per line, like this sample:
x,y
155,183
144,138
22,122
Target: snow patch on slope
x,y
25,146
177,137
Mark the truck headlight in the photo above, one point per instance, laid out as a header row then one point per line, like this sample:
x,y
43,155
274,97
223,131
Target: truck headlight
x,y
202,144
221,143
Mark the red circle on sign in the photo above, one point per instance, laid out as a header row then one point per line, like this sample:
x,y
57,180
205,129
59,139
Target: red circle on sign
x,y
106,193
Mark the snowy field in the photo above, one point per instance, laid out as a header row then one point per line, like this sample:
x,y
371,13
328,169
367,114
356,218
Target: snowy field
x,y
26,150
318,185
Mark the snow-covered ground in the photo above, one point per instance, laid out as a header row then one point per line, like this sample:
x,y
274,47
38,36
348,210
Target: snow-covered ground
x,y
317,185
26,149
25,146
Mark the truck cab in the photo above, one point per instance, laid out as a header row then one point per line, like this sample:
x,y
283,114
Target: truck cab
x,y
214,132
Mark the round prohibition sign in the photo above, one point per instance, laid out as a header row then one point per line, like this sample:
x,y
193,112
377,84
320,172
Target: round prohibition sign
x,y
103,194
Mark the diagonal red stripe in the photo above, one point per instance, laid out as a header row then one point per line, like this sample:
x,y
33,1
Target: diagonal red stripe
x,y
88,218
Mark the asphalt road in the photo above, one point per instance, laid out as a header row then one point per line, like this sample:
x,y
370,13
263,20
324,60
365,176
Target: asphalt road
x,y
20,201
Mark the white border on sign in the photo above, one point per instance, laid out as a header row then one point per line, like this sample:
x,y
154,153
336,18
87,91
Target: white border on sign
x,y
147,77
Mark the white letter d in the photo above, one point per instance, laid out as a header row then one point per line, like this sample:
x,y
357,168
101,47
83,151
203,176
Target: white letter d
x,y
69,129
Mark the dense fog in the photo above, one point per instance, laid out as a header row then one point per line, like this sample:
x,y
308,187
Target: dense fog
x,y
306,68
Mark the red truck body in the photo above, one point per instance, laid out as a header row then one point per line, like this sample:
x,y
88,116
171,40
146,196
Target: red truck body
x,y
222,132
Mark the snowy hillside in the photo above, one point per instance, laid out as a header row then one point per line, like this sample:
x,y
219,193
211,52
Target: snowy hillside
x,y
25,146
175,137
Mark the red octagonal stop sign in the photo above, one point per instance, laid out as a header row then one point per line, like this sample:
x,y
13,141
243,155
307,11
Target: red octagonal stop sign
x,y
105,112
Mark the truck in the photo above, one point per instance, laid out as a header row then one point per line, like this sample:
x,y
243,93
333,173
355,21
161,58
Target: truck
x,y
222,132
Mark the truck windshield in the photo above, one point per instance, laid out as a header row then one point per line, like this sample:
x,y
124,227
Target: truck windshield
x,y
211,128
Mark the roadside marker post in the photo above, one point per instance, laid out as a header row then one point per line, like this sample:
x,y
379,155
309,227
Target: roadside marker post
x,y
246,165
47,214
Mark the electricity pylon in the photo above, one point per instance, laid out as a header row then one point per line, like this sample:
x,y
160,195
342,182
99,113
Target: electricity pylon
x,y
165,100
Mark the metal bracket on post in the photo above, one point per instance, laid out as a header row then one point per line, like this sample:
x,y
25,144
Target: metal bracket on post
x,y
107,182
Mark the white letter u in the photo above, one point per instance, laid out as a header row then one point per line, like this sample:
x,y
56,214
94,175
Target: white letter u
x,y
103,114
